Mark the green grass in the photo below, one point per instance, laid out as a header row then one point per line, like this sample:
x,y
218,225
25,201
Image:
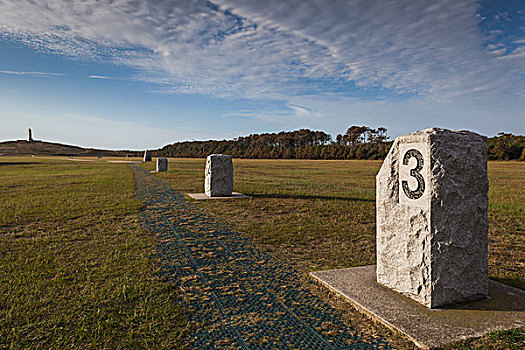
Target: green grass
x,y
300,209
321,214
507,222
76,269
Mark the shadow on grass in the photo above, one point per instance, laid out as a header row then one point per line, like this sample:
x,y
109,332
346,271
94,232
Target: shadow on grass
x,y
19,163
290,196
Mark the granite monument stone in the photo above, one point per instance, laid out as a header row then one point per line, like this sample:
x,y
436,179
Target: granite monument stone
x,y
218,176
162,164
147,156
432,225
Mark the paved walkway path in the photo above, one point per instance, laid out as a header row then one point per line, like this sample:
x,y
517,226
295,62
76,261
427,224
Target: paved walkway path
x,y
239,296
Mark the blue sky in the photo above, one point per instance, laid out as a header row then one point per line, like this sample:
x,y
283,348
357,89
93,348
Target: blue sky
x,y
141,74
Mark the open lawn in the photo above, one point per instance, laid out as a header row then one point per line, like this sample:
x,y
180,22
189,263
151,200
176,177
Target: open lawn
x,y
76,269
320,215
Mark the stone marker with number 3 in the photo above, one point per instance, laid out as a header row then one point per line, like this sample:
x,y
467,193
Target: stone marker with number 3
x,y
432,225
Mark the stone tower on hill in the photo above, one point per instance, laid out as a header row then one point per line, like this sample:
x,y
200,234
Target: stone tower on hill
x,y
29,135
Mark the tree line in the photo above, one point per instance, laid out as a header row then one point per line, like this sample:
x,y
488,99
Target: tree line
x,y
506,146
358,142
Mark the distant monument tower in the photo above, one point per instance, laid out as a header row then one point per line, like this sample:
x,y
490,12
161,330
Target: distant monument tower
x,y
29,135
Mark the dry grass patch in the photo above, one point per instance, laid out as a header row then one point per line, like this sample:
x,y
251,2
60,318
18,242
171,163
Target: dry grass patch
x,y
76,268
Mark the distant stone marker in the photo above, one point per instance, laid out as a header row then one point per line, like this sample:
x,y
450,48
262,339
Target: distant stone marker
x,y
432,224
162,164
218,181
218,176
29,135
147,156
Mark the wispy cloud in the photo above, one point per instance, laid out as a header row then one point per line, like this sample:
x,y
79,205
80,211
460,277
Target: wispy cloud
x,y
275,49
98,77
32,74
517,53
301,111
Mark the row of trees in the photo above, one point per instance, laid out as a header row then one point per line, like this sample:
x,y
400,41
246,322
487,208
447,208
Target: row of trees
x,y
358,142
506,147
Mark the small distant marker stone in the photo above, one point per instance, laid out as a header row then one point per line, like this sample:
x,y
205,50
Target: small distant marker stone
x,y
147,156
218,181
218,176
162,164
432,224
29,135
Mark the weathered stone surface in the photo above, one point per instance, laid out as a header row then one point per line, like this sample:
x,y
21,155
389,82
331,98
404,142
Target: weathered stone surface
x,y
432,225
219,176
147,156
162,164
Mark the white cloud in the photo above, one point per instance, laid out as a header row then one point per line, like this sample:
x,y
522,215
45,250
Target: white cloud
x,y
517,53
33,74
301,111
499,51
98,77
278,49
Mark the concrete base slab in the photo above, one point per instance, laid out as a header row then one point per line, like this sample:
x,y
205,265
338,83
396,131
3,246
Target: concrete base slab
x,y
427,328
203,196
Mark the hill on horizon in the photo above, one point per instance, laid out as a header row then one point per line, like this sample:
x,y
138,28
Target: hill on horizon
x,y
41,148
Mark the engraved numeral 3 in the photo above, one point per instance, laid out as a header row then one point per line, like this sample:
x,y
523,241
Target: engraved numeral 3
x,y
418,192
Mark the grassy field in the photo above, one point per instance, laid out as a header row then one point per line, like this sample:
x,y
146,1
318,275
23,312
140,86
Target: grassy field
x,y
321,214
76,269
